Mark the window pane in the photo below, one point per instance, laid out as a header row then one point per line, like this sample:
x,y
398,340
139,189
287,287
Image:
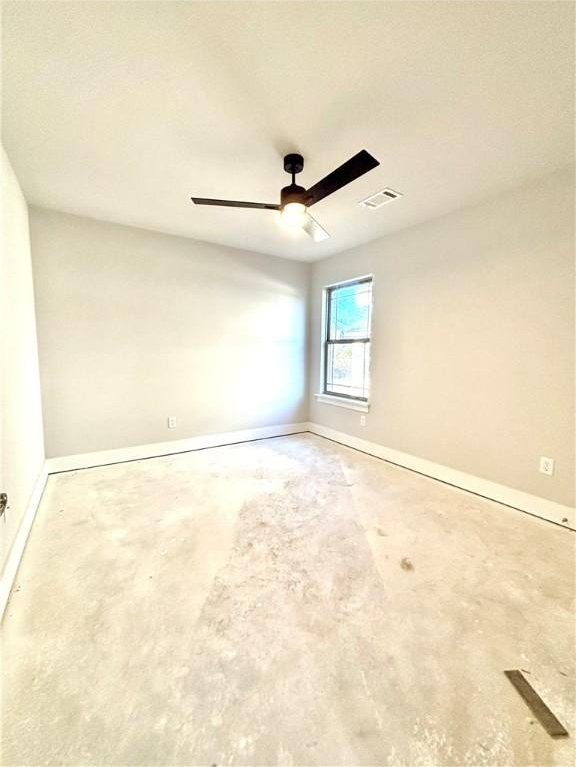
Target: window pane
x,y
350,311
347,369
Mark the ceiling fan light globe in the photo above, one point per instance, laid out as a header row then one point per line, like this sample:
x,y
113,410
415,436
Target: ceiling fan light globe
x,y
294,214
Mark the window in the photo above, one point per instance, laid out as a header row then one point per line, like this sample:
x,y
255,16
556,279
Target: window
x,y
348,313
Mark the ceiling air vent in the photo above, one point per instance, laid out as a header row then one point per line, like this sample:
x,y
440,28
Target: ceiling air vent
x,y
380,198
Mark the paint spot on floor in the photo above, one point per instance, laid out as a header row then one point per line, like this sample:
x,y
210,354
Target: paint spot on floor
x,y
381,532
406,564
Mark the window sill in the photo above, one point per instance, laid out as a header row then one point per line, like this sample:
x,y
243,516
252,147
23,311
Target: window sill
x,y
332,399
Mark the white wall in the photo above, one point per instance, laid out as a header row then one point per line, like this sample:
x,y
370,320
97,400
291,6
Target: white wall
x,y
135,326
473,338
473,354
22,447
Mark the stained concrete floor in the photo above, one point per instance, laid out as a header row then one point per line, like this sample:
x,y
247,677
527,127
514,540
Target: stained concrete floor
x,y
283,602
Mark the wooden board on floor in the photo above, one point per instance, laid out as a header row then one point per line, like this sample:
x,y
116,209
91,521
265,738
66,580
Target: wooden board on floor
x,y
547,719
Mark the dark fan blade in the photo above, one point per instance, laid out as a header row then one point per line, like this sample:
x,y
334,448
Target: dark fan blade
x,y
234,203
355,167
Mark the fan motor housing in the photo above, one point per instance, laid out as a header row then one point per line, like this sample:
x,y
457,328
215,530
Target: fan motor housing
x,y
292,193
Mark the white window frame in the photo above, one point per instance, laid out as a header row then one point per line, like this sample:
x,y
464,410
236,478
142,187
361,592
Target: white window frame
x,y
327,398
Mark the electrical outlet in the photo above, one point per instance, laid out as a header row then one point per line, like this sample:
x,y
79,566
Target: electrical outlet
x,y
547,465
362,420
171,421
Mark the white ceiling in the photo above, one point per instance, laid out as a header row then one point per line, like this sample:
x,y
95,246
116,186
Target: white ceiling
x,y
122,110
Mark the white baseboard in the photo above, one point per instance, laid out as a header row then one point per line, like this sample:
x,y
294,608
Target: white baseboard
x,y
157,449
517,499
19,544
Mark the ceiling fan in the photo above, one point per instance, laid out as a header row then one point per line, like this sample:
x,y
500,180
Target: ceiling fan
x,y
295,200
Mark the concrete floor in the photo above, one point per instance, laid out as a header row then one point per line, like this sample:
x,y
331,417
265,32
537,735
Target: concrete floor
x,y
283,602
